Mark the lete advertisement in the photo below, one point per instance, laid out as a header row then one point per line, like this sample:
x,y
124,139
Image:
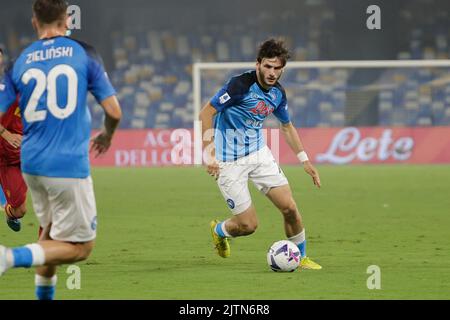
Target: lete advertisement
x,y
337,146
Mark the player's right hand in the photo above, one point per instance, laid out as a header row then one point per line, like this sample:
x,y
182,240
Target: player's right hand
x,y
101,143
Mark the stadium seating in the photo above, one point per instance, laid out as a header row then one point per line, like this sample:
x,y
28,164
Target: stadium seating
x,y
153,73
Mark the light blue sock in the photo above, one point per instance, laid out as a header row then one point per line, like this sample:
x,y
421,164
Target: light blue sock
x,y
26,256
302,248
45,292
23,257
300,241
219,230
45,287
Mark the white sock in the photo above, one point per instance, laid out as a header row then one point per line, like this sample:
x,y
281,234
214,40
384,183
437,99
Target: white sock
x,y
299,238
44,281
300,241
38,254
224,230
9,259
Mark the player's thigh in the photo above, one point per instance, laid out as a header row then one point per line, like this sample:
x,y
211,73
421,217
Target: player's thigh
x,y
282,198
233,184
13,185
74,213
268,174
40,199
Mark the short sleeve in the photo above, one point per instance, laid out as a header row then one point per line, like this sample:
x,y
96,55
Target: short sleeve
x,y
232,93
282,112
98,82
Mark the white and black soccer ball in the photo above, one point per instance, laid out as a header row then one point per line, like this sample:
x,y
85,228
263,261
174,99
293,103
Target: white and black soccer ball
x,y
283,256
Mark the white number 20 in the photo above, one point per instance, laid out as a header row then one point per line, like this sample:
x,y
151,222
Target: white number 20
x,y
48,83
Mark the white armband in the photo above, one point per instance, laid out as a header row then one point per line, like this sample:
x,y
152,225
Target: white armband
x,y
302,156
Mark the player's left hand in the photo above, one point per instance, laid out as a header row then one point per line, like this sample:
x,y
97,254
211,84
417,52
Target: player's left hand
x,y
100,143
309,169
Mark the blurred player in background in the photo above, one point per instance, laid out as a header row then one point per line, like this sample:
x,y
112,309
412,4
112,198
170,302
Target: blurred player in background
x,y
11,180
237,113
52,78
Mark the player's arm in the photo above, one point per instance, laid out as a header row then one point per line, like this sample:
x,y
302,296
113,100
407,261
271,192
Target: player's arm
x,y
13,139
226,97
105,94
293,140
206,117
113,114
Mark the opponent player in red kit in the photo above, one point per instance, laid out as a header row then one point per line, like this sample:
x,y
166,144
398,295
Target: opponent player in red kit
x,y
11,179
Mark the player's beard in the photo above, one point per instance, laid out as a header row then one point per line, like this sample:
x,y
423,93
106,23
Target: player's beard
x,y
262,78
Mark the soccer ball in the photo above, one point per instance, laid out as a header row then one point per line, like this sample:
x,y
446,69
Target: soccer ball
x,y
283,256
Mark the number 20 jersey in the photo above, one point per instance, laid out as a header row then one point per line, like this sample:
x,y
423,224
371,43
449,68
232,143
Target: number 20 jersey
x,y
52,78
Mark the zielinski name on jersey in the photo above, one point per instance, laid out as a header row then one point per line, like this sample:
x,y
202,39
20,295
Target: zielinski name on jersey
x,y
51,53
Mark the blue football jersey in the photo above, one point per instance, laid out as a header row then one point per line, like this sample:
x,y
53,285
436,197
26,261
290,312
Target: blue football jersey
x,y
52,78
242,106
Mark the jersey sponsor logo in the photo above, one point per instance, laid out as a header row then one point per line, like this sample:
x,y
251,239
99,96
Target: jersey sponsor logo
x,y
262,109
231,203
254,123
224,98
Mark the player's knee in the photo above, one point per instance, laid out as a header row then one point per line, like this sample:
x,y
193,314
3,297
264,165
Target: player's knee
x,y
84,251
290,211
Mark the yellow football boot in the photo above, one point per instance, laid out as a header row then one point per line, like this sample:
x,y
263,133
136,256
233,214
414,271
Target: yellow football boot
x,y
307,263
221,244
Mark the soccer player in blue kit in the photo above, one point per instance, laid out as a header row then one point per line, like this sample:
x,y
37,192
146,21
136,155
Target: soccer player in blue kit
x,y
239,154
52,77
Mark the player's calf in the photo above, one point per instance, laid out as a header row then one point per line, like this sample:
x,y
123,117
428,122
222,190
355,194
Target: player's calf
x,y
245,229
47,252
243,224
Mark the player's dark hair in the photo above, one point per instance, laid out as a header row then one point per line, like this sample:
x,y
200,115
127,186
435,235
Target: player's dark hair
x,y
49,11
273,48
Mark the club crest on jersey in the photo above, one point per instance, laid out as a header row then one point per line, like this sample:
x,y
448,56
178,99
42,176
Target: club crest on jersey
x,y
262,109
224,98
94,223
273,95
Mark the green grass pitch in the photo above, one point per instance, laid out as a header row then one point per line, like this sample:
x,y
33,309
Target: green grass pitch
x,y
154,239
